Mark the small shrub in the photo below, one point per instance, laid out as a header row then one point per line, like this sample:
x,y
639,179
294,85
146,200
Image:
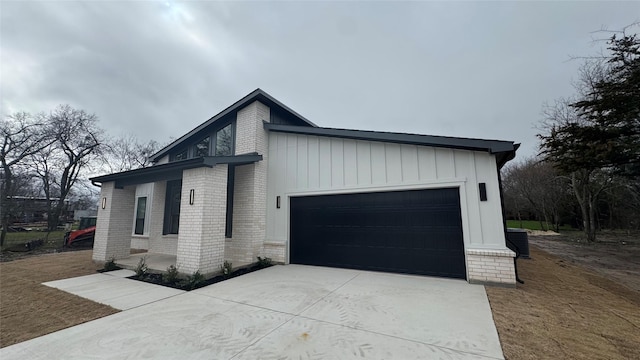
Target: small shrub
x,y
194,280
111,265
141,268
171,276
226,268
264,262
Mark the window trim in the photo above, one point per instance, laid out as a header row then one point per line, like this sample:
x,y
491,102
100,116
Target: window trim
x,y
144,218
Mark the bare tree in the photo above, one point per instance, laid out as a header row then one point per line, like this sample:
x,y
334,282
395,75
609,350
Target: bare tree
x,y
22,136
128,153
77,142
535,186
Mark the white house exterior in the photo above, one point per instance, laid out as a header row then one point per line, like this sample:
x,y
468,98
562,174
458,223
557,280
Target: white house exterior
x,y
260,180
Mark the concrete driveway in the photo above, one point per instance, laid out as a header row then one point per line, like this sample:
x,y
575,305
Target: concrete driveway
x,y
293,311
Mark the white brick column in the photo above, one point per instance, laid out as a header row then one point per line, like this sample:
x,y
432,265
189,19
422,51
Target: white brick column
x,y
201,233
115,223
250,133
250,188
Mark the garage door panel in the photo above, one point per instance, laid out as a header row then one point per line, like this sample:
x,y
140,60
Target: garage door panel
x,y
417,231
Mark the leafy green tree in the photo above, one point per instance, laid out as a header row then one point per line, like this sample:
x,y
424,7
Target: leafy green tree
x,y
596,136
604,131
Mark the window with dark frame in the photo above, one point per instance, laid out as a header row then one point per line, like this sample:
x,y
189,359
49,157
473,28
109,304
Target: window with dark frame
x,y
141,210
224,141
201,148
231,172
219,143
172,207
181,155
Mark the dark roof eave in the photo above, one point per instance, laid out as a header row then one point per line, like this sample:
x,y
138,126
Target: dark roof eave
x,y
173,170
492,146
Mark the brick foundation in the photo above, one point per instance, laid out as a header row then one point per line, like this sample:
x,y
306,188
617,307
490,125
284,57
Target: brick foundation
x,y
492,267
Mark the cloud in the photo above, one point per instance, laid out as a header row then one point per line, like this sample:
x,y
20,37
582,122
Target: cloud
x,y
158,69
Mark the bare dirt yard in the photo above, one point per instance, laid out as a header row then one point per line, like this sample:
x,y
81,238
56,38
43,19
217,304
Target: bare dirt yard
x,y
579,301
579,305
29,309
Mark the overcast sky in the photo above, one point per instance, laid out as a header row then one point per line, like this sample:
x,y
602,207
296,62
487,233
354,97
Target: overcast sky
x,y
157,69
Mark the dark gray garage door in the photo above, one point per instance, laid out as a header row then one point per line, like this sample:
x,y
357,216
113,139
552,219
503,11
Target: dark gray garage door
x,y
414,232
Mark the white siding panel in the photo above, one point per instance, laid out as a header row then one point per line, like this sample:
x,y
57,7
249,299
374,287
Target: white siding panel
x,y
292,161
350,163
427,163
280,160
490,211
302,165
467,166
337,163
363,149
378,163
314,163
393,162
410,172
325,163
445,165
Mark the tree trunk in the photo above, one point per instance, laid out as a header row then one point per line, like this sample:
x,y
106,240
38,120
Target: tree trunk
x,y
591,235
586,201
5,203
53,217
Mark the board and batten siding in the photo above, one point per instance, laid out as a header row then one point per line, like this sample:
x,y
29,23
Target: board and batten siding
x,y
301,165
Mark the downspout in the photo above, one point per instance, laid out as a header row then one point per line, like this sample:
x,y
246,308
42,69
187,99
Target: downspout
x,y
504,218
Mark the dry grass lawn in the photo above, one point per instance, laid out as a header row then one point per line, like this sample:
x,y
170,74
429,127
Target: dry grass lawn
x,y
564,311
29,309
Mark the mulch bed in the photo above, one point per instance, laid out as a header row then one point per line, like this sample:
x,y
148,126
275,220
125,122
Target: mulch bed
x,y
184,284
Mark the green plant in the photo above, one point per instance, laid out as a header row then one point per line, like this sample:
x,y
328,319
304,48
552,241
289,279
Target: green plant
x,y
111,265
264,262
226,268
142,268
194,280
171,276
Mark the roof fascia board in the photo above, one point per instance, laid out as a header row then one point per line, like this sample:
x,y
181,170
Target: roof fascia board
x,y
173,170
492,146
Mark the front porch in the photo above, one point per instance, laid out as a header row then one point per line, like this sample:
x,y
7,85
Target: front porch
x,y
156,263
145,215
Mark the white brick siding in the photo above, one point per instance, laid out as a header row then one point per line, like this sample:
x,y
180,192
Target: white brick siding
x,y
250,133
275,251
491,267
114,226
201,238
140,242
158,243
250,188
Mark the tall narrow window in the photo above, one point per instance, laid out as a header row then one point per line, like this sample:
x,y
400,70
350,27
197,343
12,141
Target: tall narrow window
x,y
202,148
224,141
231,175
141,211
172,207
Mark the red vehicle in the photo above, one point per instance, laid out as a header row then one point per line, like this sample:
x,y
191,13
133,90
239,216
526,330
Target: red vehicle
x,y
84,235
